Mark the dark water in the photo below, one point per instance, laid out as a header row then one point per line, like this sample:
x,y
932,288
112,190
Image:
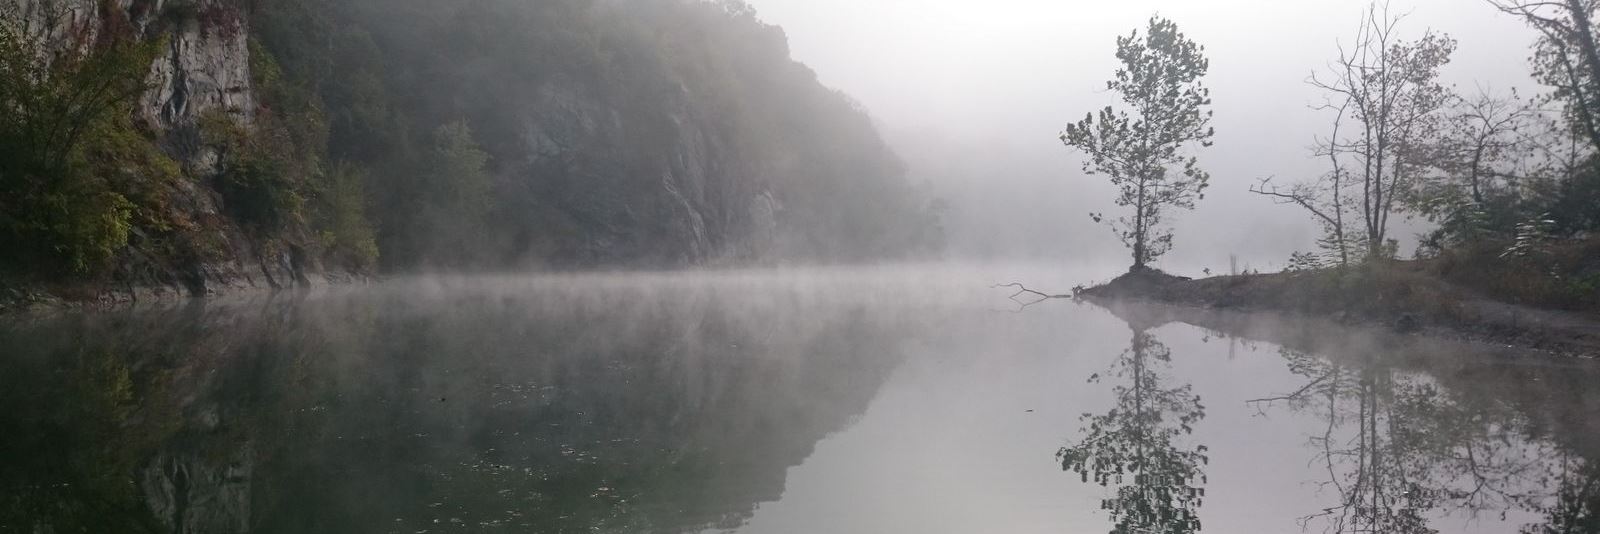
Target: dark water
x,y
870,402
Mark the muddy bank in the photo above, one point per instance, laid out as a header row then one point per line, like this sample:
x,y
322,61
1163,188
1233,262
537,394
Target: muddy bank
x,y
1397,297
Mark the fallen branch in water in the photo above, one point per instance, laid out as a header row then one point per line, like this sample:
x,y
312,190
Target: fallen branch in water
x,y
1037,296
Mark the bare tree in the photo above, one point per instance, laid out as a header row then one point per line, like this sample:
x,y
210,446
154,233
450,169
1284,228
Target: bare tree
x,y
1324,196
1388,89
1143,149
1486,140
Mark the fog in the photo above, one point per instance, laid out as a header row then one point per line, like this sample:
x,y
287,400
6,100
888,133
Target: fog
x,y
623,266
974,95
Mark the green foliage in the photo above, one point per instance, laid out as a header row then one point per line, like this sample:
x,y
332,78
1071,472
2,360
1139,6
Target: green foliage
x,y
259,193
342,218
1140,147
452,200
607,134
69,153
447,134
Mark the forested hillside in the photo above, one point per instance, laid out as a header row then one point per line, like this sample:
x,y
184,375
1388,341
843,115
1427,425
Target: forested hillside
x,y
223,142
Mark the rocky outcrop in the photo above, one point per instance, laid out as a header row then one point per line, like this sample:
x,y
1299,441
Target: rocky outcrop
x,y
686,205
204,70
651,134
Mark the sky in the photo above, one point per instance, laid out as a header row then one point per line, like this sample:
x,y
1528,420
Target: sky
x,y
974,95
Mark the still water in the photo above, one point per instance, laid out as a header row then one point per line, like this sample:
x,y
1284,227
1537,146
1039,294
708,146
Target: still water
x,y
834,401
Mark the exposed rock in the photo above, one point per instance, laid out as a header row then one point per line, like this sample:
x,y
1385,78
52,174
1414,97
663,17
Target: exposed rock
x,y
204,69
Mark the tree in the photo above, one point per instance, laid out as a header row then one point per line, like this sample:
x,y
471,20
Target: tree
x,y
1324,197
1143,148
1486,155
455,198
1389,89
67,142
1566,56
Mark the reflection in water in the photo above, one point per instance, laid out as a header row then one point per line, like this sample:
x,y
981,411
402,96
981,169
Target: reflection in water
x,y
551,412
1400,448
1576,506
1135,446
689,403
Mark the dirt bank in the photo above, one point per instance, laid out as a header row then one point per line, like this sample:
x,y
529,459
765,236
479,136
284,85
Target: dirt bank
x,y
1405,297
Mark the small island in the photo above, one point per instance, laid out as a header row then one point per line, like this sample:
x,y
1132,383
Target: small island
x,y
1507,186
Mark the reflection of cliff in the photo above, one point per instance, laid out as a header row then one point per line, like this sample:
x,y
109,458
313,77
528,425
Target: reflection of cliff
x,y
548,413
1135,447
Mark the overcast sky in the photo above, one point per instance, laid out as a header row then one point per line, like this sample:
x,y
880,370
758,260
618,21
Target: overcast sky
x,y
975,92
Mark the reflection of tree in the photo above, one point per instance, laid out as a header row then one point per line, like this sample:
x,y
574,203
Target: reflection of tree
x,y
1397,448
1135,446
1576,505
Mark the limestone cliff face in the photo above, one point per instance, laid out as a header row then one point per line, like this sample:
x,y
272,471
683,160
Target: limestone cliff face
x,y
203,70
206,65
694,202
664,133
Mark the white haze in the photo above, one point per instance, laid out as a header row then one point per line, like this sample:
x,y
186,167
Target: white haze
x,y
973,94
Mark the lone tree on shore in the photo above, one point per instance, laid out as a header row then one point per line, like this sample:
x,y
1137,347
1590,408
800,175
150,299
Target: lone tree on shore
x,y
1142,148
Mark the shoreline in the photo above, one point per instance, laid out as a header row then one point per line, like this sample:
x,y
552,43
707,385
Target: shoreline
x,y
20,299
1395,297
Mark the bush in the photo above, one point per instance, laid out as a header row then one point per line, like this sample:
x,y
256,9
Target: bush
x,y
346,235
258,194
67,150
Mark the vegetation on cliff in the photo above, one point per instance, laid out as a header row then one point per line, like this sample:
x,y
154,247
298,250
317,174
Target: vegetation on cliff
x,y
402,135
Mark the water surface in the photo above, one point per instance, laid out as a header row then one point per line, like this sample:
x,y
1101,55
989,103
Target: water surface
x,y
874,400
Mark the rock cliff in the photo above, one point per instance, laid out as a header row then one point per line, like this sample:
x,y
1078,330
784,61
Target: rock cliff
x,y
318,139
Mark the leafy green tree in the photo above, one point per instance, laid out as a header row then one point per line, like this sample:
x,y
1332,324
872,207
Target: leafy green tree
x,y
1143,148
448,199
66,121
342,218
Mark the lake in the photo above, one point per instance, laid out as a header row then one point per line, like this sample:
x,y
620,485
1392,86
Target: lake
x,y
828,401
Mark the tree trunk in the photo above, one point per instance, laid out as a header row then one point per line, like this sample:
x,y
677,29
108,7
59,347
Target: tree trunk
x,y
1583,32
1139,230
1477,163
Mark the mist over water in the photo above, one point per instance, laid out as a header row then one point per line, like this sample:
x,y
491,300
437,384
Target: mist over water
x,y
894,398
786,244
974,95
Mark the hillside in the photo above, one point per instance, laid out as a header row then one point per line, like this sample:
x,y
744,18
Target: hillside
x,y
221,143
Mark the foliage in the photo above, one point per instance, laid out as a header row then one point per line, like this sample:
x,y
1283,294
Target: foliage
x,y
342,216
1389,89
68,146
1139,150
1532,236
1134,447
457,134
1303,261
668,131
452,209
1565,58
